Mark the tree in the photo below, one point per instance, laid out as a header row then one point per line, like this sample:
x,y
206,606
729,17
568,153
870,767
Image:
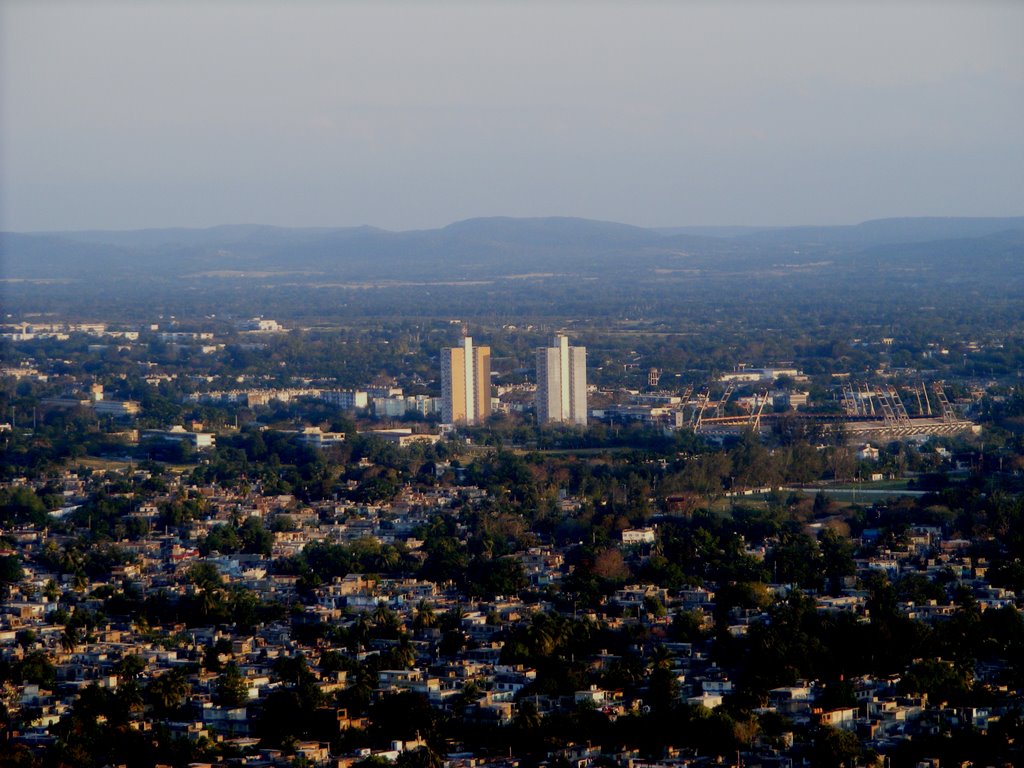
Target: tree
x,y
837,558
36,668
805,463
332,661
662,687
208,582
835,748
11,573
495,576
69,639
386,623
527,716
609,565
131,666
447,559
20,505
255,539
421,757
222,538
795,559
822,504
231,689
841,462
51,591
706,473
753,466
129,697
687,626
405,716
401,656
425,616
939,679
167,691
25,638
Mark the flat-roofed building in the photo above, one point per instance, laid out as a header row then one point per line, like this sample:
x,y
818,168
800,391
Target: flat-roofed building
x,y
465,383
562,383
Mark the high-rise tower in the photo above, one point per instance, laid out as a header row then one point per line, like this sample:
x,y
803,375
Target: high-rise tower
x,y
562,383
465,383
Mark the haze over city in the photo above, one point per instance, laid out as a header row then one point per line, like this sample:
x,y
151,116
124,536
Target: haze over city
x,y
131,115
511,384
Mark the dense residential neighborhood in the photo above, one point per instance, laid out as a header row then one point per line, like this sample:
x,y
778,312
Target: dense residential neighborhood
x,y
331,584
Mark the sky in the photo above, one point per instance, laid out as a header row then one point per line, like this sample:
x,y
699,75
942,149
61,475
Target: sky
x,y
124,115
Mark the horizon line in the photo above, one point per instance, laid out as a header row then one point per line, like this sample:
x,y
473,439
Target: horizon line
x,y
335,227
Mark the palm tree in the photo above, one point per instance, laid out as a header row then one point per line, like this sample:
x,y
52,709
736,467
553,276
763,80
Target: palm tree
x,y
425,616
471,691
71,559
403,654
130,666
141,625
167,691
359,692
386,621
452,619
421,757
661,658
360,631
69,639
130,695
387,559
547,633
209,600
527,717
208,582
51,591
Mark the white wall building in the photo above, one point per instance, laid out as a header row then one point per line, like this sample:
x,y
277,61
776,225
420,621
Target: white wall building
x,y
346,399
562,383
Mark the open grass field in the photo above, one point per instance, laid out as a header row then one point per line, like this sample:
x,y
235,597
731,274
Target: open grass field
x,y
105,463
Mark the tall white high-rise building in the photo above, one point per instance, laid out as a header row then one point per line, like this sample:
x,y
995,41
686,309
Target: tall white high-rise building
x,y
562,383
465,383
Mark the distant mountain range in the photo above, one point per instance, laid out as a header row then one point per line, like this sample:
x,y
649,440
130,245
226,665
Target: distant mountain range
x,y
496,248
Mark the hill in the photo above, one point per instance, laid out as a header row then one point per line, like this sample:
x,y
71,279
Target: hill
x,y
874,256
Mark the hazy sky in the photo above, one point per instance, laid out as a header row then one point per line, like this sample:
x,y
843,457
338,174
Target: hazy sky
x,y
125,115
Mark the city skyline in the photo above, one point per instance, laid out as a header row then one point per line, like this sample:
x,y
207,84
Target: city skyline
x,y
736,477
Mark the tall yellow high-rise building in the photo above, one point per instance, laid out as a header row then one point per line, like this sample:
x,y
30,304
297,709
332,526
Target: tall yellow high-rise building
x,y
465,383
